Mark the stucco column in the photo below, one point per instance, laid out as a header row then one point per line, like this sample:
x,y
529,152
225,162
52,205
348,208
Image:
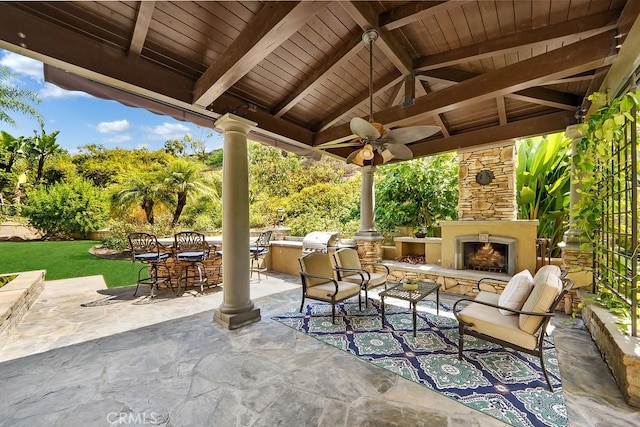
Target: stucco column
x,y
577,261
368,239
236,309
367,202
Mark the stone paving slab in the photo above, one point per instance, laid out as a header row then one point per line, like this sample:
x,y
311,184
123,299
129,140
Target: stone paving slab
x,y
135,361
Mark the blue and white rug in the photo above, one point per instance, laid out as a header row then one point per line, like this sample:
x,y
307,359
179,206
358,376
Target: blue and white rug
x,y
502,383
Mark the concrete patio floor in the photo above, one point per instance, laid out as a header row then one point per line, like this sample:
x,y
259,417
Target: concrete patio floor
x,y
88,356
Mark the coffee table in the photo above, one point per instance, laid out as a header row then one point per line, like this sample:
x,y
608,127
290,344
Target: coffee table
x,y
425,289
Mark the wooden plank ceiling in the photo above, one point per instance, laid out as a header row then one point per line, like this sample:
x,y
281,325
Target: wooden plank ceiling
x,y
484,71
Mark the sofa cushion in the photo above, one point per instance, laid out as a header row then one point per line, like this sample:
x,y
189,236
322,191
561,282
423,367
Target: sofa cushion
x,y
516,292
546,287
544,271
488,321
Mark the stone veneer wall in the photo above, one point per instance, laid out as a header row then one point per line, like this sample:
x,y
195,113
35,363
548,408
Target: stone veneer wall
x,y
494,201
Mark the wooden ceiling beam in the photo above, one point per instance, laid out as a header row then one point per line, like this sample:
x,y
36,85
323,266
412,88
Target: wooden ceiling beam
x,y
549,123
628,59
329,66
536,95
575,58
141,27
274,23
581,77
26,34
283,129
502,110
381,85
587,26
409,12
366,17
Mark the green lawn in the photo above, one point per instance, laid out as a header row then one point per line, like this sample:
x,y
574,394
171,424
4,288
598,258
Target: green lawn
x,y
63,260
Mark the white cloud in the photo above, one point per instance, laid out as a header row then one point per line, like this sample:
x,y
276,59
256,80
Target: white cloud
x,y
113,127
51,91
167,131
142,146
121,138
23,65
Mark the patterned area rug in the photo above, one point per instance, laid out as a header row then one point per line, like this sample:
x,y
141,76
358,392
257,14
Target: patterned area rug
x,y
502,383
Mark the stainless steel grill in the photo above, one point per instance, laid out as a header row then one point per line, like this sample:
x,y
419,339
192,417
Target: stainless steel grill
x,y
325,241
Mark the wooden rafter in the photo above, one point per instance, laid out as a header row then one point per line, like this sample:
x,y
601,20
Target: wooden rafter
x,y
580,77
575,58
346,51
366,17
410,12
422,89
383,84
396,95
96,60
587,26
143,19
270,27
409,90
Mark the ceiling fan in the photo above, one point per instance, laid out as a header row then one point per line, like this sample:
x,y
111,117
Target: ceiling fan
x,y
377,143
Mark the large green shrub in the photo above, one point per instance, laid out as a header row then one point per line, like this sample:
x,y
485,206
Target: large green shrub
x,y
543,173
417,193
66,208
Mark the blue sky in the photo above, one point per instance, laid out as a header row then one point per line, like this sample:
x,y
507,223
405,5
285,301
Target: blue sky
x,y
83,119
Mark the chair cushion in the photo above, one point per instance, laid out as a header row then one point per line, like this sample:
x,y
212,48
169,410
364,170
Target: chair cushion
x,y
318,264
258,251
323,291
151,256
516,292
376,279
188,256
546,287
553,269
488,321
348,258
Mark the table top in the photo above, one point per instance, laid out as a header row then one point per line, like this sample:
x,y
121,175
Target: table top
x,y
424,288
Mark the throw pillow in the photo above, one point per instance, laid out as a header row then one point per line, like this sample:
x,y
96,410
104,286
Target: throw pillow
x,y
516,292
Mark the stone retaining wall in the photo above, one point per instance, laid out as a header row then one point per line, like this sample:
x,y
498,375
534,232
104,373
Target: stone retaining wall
x,y
619,350
16,297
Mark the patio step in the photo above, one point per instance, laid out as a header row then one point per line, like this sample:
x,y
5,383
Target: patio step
x,y
15,299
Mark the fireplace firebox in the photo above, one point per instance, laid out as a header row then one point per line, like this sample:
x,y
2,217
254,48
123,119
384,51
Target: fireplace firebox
x,y
483,252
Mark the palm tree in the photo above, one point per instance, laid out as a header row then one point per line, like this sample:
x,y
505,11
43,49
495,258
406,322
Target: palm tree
x,y
14,99
145,192
184,178
13,147
42,146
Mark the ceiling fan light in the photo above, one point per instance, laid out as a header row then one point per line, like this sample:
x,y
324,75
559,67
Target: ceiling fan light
x,y
386,155
367,152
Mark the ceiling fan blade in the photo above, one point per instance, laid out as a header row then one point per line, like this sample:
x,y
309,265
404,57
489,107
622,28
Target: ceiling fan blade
x,y
356,158
410,134
363,128
400,151
353,143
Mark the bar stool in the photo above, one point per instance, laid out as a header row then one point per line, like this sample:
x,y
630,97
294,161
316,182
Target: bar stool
x,y
146,249
258,250
191,248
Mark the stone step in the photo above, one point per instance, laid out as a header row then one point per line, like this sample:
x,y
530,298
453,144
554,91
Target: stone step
x,y
16,297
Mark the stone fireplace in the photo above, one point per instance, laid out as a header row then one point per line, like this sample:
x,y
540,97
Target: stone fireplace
x,y
488,236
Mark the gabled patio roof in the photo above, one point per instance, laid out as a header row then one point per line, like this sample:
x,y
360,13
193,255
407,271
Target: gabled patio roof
x,y
484,71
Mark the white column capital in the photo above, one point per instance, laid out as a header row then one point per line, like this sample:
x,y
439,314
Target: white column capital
x,y
231,122
576,131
